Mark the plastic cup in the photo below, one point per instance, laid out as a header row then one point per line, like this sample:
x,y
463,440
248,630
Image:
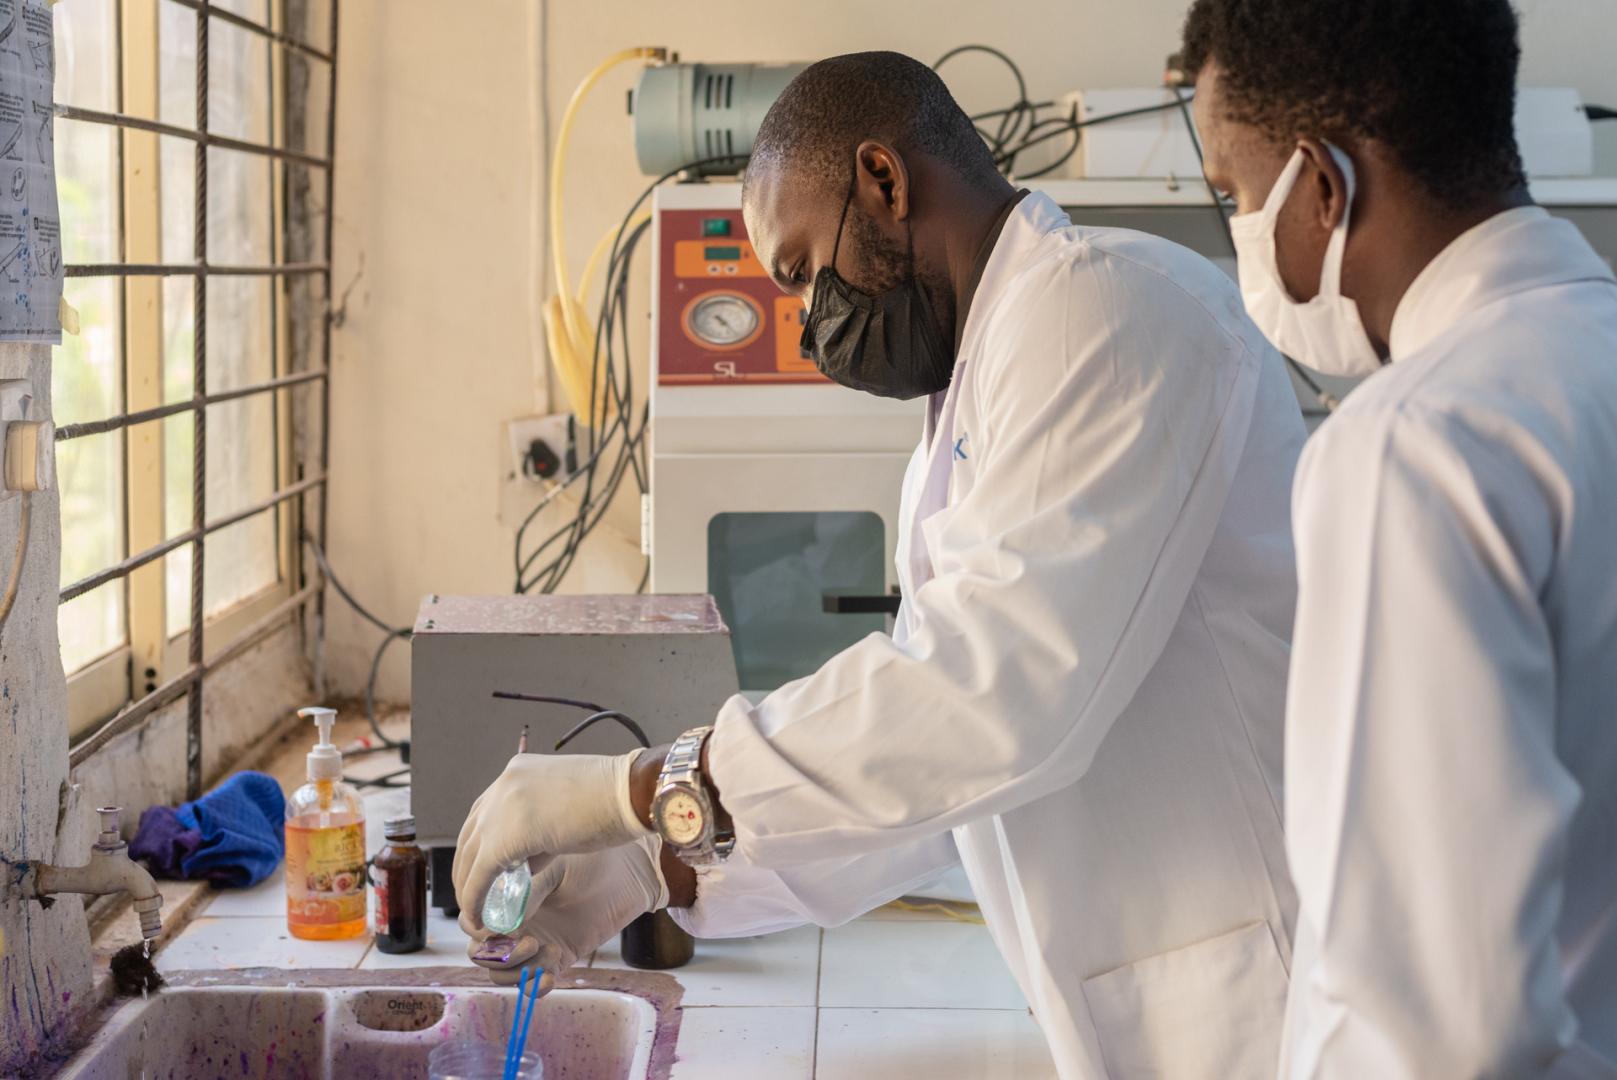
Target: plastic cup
x,y
477,1059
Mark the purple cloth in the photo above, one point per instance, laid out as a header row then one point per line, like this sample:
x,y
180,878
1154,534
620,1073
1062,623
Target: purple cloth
x,y
233,836
163,842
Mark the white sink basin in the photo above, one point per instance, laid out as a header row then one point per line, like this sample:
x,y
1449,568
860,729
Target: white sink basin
x,y
358,1033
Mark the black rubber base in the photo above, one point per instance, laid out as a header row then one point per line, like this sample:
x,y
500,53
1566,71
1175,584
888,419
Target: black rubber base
x,y
441,880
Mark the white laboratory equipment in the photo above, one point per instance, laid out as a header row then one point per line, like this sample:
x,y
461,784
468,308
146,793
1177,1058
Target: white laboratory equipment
x,y
772,488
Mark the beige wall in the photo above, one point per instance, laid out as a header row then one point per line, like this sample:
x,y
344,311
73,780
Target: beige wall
x,y
436,188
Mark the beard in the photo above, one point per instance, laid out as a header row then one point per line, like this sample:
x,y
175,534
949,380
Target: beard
x,y
882,263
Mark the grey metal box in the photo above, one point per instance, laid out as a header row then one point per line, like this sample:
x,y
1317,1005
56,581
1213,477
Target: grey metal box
x,y
663,660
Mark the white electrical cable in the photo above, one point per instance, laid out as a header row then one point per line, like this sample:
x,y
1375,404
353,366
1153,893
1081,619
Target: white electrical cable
x,y
23,522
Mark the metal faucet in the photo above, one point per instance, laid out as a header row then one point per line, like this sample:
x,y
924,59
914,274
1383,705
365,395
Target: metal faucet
x,y
109,871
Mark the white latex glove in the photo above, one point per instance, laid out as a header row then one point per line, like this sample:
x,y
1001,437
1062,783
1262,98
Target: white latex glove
x,y
577,904
542,805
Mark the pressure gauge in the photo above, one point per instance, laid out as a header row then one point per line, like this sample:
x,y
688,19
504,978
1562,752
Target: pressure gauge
x,y
723,320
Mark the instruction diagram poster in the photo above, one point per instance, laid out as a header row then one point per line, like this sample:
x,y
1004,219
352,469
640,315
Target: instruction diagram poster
x,y
30,228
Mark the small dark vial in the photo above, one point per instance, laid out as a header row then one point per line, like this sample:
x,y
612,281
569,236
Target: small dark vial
x,y
655,942
399,875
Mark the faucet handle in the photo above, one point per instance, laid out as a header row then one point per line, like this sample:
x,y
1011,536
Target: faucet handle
x,y
111,834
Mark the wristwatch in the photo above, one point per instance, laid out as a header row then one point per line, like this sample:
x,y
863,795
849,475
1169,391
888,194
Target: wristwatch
x,y
682,810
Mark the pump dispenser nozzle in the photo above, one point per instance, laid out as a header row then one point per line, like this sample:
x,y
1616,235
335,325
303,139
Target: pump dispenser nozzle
x,y
325,760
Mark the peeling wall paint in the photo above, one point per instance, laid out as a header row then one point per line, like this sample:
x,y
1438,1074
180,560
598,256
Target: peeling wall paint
x,y
45,966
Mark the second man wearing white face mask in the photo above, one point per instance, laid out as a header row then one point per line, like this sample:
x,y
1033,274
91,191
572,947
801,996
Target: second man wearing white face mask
x,y
1451,729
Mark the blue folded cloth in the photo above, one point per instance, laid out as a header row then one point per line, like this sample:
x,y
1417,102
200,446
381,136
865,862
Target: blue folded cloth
x,y
233,836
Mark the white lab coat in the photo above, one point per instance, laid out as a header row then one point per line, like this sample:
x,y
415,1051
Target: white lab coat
x,y
1086,683
1451,740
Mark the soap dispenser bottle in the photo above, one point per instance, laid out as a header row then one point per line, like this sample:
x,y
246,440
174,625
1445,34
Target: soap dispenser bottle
x,y
325,846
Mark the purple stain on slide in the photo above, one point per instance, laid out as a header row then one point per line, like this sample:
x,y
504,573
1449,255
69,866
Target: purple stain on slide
x,y
244,1066
67,996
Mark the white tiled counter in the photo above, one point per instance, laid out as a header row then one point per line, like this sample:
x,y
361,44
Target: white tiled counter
x,y
895,995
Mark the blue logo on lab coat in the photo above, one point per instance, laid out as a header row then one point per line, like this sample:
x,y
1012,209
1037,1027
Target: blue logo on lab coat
x,y
960,448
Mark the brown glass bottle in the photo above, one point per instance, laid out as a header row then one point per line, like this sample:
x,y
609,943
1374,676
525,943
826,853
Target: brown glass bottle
x,y
399,875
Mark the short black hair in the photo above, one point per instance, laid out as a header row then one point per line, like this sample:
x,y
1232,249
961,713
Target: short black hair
x,y
1432,80
833,105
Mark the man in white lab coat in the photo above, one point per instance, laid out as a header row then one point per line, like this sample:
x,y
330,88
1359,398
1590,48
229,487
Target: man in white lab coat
x,y
1451,728
1082,699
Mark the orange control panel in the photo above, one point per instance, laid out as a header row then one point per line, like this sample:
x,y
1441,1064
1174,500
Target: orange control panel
x,y
721,320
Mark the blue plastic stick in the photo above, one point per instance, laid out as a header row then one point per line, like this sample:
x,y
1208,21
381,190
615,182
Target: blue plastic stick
x,y
511,1052
527,1018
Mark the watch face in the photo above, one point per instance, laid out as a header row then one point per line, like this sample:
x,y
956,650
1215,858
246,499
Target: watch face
x,y
681,818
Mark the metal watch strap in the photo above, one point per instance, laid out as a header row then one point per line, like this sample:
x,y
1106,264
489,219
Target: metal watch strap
x,y
683,768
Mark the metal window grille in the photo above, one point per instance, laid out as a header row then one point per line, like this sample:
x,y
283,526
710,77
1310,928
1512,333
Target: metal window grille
x,y
294,497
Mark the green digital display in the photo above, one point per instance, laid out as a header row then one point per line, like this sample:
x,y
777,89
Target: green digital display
x,y
721,254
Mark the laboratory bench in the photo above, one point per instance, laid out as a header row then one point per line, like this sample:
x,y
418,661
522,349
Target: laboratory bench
x,y
895,994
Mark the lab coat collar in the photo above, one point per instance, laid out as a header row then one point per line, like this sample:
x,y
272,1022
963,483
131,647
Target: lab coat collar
x,y
1511,252
1033,218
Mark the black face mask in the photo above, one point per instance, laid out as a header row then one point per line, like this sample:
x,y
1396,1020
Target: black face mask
x,y
887,344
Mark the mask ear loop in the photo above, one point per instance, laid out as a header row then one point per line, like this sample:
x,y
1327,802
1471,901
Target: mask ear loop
x,y
1330,283
836,245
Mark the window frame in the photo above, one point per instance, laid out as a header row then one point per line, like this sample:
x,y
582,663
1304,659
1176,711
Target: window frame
x,y
123,689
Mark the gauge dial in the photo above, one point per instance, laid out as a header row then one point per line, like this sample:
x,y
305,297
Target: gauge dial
x,y
723,320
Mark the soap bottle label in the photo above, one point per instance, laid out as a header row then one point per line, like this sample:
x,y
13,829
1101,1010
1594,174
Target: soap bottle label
x,y
325,874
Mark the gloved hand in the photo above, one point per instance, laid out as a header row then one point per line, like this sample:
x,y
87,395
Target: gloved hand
x,y
578,902
542,805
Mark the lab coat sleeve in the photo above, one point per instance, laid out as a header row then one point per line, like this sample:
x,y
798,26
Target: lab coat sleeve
x,y
738,898
1427,812
1110,409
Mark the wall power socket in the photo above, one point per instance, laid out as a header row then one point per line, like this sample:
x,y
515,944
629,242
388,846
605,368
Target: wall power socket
x,y
27,445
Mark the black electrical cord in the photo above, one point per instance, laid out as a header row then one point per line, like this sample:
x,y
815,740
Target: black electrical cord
x,y
632,439
1010,118
392,633
386,780
547,699
325,569
605,714
576,530
617,398
1600,112
603,426
1073,124
597,713
1326,399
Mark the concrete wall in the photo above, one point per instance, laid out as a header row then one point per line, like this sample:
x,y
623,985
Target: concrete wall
x,y
44,955
437,187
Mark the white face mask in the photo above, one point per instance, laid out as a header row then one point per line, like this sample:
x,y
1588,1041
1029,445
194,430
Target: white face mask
x,y
1326,333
